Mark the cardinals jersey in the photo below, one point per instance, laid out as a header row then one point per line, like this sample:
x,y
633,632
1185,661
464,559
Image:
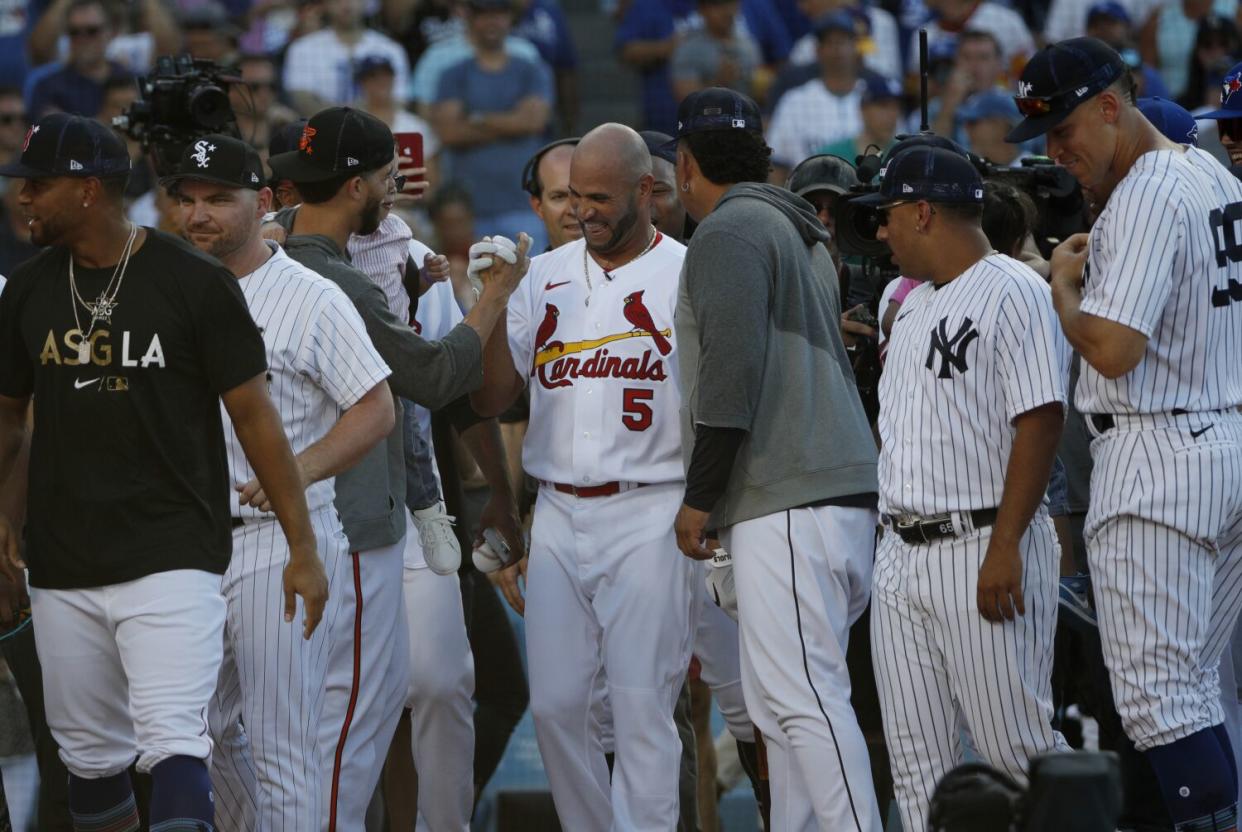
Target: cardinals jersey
x,y
1165,259
603,377
964,360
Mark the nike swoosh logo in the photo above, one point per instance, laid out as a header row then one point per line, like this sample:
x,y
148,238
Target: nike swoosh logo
x,y
1197,433
899,317
78,384
552,286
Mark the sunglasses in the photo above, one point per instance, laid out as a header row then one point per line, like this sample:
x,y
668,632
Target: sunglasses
x,y
881,214
84,31
8,119
1035,106
1230,128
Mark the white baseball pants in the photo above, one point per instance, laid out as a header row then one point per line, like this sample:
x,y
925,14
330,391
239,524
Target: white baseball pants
x,y
607,588
943,669
718,651
128,669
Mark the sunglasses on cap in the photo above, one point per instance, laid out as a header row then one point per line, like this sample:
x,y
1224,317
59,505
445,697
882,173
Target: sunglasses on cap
x,y
1042,105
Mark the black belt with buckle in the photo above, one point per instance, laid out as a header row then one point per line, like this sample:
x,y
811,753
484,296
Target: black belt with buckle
x,y
916,530
1104,422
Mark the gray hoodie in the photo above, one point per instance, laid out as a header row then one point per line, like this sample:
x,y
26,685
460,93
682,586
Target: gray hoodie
x,y
370,497
759,339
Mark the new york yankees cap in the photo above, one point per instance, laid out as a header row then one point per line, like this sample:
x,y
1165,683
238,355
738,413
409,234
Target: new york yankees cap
x,y
64,145
1059,78
930,174
221,160
716,109
336,141
1171,119
1230,96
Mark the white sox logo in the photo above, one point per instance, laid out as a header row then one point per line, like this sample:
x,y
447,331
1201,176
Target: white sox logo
x,y
201,149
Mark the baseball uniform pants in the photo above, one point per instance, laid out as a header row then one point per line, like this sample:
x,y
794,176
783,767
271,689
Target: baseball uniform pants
x,y
943,669
367,684
267,768
803,577
439,697
607,589
716,647
129,669
1164,540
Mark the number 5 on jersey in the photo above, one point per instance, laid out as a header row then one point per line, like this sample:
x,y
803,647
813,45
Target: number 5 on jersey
x,y
636,412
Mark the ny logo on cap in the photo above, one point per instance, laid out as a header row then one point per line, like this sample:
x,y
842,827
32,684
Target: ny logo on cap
x,y
304,143
201,149
1024,89
29,135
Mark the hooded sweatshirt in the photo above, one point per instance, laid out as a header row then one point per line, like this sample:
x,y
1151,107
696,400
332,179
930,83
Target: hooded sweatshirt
x,y
759,339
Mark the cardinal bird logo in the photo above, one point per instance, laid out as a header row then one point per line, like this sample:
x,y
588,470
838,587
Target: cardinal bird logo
x,y
304,143
637,314
547,327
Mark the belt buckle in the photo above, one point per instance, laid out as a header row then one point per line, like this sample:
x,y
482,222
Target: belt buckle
x,y
909,522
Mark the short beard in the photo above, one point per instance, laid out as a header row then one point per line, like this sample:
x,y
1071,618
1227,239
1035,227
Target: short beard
x,y
229,242
619,232
370,221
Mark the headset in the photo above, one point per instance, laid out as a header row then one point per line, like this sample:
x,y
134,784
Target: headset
x,y
532,164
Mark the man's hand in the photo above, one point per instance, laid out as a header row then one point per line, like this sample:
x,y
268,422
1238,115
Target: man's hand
x,y
1067,264
11,563
498,262
275,232
507,581
13,599
691,528
501,514
856,323
251,494
304,576
999,592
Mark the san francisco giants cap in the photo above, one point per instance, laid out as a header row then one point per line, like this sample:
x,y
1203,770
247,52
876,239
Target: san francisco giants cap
x,y
336,141
1059,78
221,160
928,174
64,145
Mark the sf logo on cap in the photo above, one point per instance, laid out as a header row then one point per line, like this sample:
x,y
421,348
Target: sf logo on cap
x,y
201,149
304,143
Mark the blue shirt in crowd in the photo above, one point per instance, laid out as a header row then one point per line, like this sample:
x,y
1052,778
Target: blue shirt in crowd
x,y
544,24
67,91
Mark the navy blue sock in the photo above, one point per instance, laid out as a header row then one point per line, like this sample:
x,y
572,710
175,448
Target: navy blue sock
x,y
181,796
1197,780
103,804
1223,736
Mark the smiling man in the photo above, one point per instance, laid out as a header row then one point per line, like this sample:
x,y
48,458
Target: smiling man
x,y
1151,300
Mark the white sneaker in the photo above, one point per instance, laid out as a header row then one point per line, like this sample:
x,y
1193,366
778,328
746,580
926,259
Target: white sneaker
x,y
435,531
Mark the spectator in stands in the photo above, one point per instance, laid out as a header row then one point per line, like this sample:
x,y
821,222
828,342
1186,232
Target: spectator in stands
x,y
376,83
824,109
1068,18
978,65
716,54
881,113
319,67
17,21
543,23
988,116
1111,22
421,25
881,52
77,87
1216,48
490,112
1003,23
209,33
13,124
1167,39
256,102
15,245
452,217
141,30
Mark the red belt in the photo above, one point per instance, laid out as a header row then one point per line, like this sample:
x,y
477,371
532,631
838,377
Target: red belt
x,y
604,489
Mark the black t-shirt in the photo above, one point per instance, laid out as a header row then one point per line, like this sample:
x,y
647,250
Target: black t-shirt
x,y
128,475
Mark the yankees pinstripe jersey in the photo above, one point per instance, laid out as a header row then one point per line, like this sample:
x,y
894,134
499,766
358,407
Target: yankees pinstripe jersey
x,y
1165,260
964,360
603,376
320,362
382,256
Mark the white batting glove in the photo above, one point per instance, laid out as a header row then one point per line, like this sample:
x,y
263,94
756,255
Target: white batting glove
x,y
720,582
482,252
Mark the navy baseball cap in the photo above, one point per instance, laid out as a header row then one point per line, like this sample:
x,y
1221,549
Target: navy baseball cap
x,y
372,64
336,141
879,88
1109,9
930,174
64,145
924,140
1171,119
1230,96
1059,78
988,104
660,145
841,21
715,109
822,173
221,160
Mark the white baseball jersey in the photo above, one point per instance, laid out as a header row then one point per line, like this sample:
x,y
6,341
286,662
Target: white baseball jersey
x,y
1165,260
964,360
320,362
603,376
382,257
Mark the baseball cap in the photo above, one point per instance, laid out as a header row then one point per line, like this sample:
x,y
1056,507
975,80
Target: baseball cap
x,y
841,21
926,173
988,104
372,64
219,159
1109,9
924,140
879,88
1059,78
1230,95
336,141
660,145
822,173
63,145
1173,120
286,137
716,109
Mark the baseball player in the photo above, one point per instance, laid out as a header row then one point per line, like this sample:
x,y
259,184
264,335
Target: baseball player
x,y
971,406
130,339
759,305
328,383
1151,300
590,330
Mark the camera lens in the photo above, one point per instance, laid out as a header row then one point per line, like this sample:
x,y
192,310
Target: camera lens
x,y
209,106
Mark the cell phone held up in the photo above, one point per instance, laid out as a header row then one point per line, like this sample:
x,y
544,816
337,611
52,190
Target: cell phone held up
x,y
410,154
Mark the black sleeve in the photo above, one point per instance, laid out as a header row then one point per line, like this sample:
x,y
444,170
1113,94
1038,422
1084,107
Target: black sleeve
x,y
230,347
16,366
711,464
460,414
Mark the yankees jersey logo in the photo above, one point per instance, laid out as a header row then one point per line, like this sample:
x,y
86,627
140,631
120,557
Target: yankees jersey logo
x,y
952,350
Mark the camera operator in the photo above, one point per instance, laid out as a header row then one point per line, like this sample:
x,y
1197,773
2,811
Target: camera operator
x,y
966,559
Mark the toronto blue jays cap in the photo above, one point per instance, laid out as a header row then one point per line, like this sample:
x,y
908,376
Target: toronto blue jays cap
x,y
336,141
716,109
1171,119
930,174
992,103
1059,78
64,145
1230,96
221,160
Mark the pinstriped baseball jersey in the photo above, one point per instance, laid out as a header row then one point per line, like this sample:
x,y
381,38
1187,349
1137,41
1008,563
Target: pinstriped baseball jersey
x,y
604,395
964,360
320,362
1165,259
381,256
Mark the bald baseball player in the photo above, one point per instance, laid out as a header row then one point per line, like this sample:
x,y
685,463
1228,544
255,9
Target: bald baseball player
x,y
591,333
327,382
1151,300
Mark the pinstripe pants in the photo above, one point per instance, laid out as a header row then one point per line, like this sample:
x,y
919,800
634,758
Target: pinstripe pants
x,y
1164,540
946,674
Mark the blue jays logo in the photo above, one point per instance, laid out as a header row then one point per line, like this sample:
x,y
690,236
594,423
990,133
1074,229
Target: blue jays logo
x,y
1231,84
